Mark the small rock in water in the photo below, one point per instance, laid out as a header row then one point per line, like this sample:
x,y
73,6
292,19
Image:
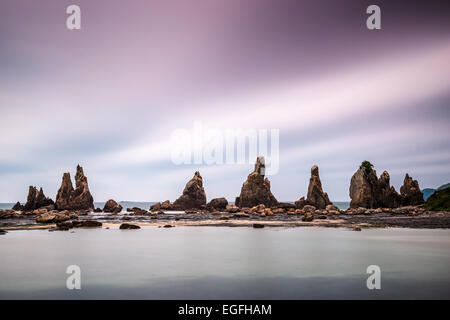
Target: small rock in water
x,y
357,229
168,226
128,226
3,231
258,225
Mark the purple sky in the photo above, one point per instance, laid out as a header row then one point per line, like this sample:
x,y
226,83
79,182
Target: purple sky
x,y
109,96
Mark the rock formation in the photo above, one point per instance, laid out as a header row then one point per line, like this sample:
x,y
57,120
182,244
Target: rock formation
x,y
386,195
218,203
17,207
256,189
79,198
367,191
363,186
112,206
410,192
316,197
36,199
193,196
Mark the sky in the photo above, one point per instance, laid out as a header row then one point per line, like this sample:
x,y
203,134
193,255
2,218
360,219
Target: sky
x,y
110,95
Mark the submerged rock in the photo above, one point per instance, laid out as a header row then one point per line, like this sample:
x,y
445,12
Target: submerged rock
x,y
129,226
193,196
256,189
112,206
79,198
316,196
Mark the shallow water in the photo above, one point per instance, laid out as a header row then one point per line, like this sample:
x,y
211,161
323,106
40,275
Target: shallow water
x,y
226,263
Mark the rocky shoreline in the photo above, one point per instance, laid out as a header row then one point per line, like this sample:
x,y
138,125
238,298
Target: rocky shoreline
x,y
374,204
404,217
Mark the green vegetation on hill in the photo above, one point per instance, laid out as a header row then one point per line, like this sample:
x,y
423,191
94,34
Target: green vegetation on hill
x,y
429,191
444,186
440,200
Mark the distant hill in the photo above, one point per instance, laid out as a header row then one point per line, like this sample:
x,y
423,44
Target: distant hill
x,y
429,191
440,200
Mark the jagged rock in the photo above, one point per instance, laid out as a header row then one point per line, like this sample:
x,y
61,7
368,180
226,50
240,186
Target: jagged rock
x,y
193,196
410,192
17,207
218,203
316,196
97,210
112,206
369,192
36,199
256,189
386,195
79,198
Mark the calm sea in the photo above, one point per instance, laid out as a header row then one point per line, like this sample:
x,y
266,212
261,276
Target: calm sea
x,y
226,263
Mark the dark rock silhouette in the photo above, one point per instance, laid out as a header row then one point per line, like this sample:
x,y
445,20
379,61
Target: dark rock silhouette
x,y
386,196
112,206
193,196
17,207
36,199
79,198
410,192
316,197
256,189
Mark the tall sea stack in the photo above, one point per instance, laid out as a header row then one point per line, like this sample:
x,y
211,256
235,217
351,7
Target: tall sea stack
x,y
79,198
193,196
316,196
256,189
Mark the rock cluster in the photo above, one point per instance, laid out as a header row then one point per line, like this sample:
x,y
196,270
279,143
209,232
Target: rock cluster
x,y
69,198
367,191
256,189
193,196
35,200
